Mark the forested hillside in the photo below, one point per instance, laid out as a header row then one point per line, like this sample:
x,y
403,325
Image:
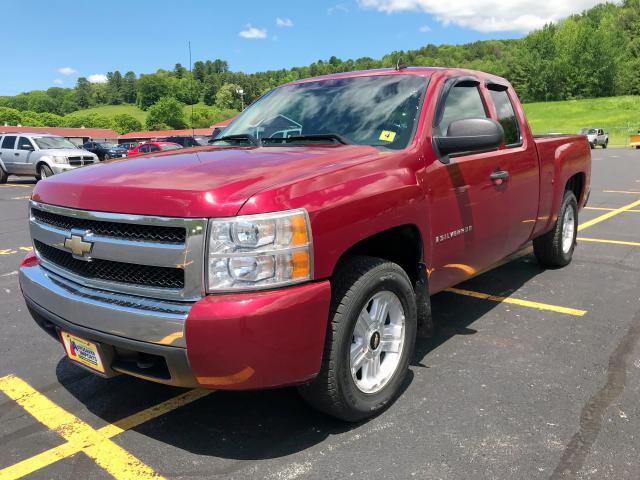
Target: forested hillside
x,y
592,54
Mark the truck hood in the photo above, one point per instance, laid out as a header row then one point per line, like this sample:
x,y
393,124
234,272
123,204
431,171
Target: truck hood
x,y
194,182
65,152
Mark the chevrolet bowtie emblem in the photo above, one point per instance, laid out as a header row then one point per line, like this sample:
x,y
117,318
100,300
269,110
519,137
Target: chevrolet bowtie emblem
x,y
77,245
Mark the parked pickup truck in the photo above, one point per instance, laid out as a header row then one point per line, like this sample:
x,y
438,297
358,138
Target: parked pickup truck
x,y
596,136
307,259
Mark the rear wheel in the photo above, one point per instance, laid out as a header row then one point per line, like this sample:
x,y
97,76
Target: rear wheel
x,y
555,248
44,172
370,340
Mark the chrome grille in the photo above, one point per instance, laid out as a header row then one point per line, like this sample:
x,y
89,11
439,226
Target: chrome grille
x,y
146,275
129,231
78,161
155,257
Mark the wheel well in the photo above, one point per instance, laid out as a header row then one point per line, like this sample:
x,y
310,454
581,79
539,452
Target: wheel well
x,y
401,245
576,185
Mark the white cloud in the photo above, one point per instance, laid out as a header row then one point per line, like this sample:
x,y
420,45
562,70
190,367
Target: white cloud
x,y
284,22
57,81
487,15
425,28
339,8
253,33
66,71
97,78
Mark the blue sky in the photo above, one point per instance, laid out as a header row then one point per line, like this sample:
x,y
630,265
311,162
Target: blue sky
x,y
54,42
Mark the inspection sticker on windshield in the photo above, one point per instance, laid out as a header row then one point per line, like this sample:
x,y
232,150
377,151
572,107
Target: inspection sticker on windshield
x,y
82,351
387,136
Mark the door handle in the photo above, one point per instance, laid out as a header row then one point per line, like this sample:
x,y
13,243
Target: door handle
x,y
499,177
16,154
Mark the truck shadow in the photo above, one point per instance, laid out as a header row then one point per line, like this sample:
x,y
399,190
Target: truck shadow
x,y
274,423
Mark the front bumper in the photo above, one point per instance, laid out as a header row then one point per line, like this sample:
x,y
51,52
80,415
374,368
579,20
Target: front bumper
x,y
231,341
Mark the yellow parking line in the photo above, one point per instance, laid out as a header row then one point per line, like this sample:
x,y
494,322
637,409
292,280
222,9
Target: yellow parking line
x,y
13,251
11,185
608,215
516,301
81,437
613,242
609,209
622,191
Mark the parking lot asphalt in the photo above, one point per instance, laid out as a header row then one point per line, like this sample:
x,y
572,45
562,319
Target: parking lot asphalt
x,y
532,374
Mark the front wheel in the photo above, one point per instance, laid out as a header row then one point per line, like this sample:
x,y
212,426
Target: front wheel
x,y
604,145
3,176
44,172
370,340
555,248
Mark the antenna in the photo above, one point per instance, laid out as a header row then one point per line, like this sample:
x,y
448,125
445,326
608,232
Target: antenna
x,y
400,64
193,131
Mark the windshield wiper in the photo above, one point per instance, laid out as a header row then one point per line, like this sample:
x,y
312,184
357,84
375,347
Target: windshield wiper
x,y
241,137
336,137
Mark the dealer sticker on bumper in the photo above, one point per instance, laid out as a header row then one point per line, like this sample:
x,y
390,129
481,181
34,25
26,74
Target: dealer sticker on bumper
x,y
82,351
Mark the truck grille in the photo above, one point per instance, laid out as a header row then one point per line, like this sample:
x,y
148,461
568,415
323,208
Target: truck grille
x,y
142,255
128,231
145,275
80,160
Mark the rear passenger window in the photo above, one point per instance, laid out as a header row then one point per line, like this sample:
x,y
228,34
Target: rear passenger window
x,y
9,142
506,116
463,102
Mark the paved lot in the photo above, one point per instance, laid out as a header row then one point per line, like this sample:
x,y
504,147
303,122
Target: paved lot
x,y
538,379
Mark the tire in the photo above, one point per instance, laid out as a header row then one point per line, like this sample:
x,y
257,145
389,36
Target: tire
x,y
592,145
363,284
554,249
604,145
3,176
44,171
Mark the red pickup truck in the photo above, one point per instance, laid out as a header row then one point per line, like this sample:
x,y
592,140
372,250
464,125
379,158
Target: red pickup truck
x,y
301,247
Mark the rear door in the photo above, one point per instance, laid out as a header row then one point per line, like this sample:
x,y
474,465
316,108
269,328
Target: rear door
x,y
9,153
518,159
469,211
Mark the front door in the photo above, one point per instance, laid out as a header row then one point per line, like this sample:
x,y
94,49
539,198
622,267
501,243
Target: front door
x,y
24,159
469,211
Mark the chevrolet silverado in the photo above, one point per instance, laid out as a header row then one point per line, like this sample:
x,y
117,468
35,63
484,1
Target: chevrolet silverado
x,y
302,246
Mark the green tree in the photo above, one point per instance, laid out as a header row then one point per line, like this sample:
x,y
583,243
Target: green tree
x,y
84,94
166,111
114,87
152,88
123,123
9,116
31,119
129,87
227,96
50,119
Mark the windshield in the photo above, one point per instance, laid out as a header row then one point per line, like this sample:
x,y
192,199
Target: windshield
x,y
106,145
376,110
49,143
588,131
170,146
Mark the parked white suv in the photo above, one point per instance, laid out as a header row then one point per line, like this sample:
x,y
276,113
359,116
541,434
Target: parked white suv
x,y
596,136
39,155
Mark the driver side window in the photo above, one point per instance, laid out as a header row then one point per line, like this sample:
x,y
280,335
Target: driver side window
x,y
462,102
24,144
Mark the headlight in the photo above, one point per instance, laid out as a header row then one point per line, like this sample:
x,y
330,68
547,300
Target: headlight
x,y
60,159
255,252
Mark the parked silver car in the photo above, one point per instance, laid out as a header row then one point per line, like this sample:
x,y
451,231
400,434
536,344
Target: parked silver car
x,y
39,155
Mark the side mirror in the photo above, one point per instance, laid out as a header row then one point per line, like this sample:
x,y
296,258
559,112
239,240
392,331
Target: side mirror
x,y
469,135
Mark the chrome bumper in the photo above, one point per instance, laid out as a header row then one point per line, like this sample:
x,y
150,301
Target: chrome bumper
x,y
132,317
